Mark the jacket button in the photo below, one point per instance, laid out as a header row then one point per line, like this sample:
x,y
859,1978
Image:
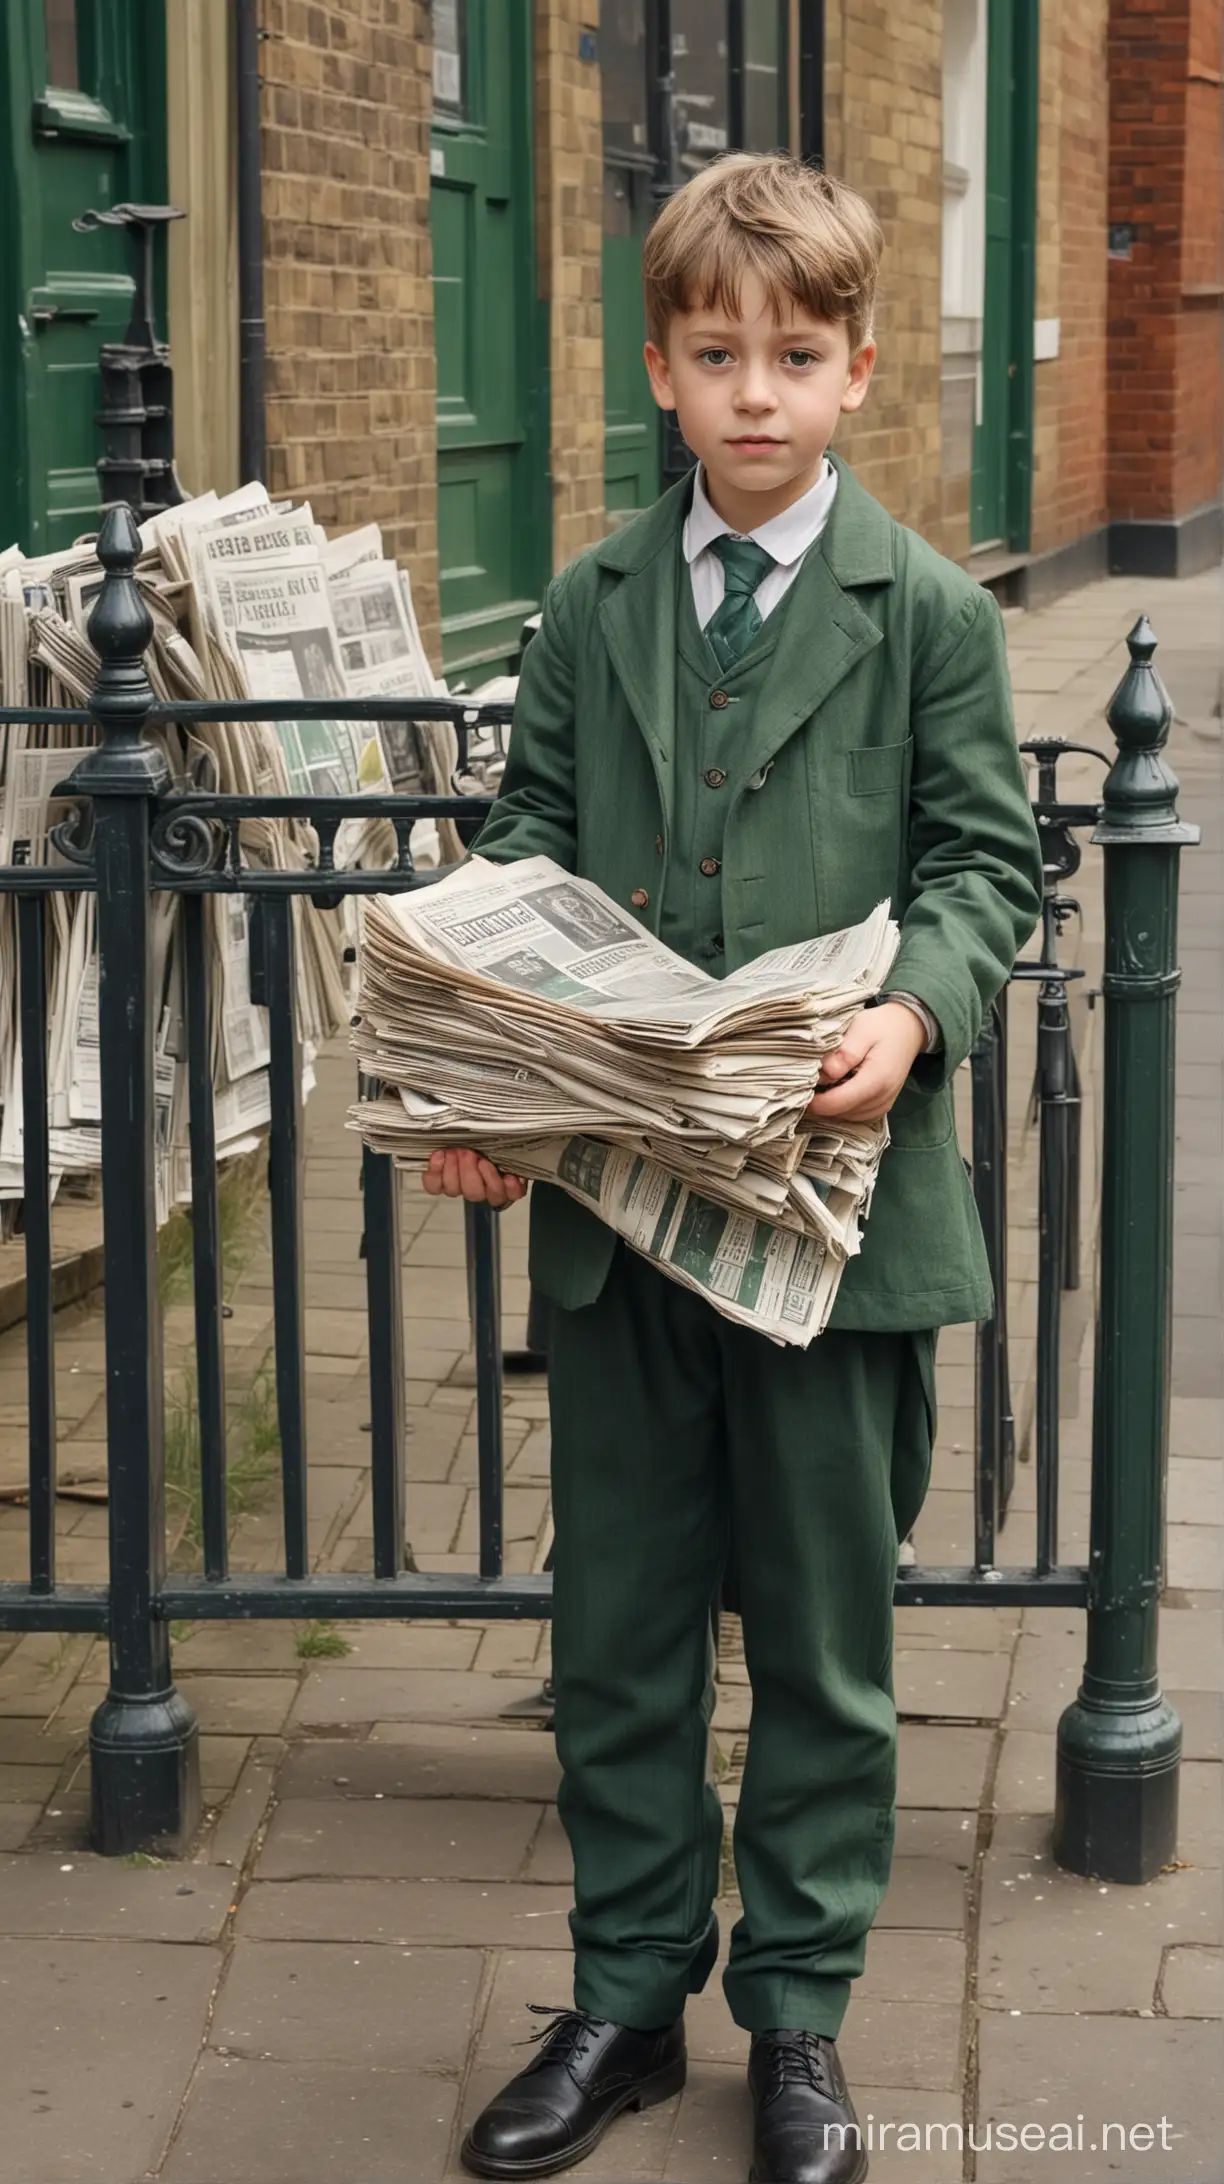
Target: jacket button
x,y
710,865
719,700
659,844
714,777
639,898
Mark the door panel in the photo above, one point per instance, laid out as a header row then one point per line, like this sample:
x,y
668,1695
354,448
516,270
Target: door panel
x,y
92,140
631,421
492,546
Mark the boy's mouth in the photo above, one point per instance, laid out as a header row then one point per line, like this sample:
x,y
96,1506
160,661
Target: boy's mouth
x,y
755,439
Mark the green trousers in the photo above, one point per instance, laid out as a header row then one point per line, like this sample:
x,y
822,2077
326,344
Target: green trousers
x,y
682,1444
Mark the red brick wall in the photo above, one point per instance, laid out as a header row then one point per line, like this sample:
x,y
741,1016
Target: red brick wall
x,y
1164,181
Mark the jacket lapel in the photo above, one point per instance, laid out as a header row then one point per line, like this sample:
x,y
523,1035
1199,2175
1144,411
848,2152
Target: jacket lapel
x,y
825,631
638,619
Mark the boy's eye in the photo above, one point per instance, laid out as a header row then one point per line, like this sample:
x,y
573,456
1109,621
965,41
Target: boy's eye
x,y
800,356
715,356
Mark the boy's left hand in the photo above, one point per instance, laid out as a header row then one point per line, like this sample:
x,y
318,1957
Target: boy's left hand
x,y
861,1078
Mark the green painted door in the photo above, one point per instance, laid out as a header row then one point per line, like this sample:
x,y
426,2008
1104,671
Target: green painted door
x,y
493,519
82,96
1002,446
631,421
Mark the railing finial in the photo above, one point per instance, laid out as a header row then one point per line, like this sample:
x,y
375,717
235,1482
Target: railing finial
x,y
125,762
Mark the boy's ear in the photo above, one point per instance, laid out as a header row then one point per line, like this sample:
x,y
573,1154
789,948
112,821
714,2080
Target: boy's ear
x,y
859,379
659,376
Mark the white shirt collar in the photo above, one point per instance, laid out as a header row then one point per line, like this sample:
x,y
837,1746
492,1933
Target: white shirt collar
x,y
787,537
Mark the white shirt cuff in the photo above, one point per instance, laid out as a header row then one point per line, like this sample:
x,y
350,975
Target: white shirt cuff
x,y
934,1036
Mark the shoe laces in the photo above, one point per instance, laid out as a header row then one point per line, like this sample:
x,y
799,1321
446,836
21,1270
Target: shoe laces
x,y
565,2040
797,2058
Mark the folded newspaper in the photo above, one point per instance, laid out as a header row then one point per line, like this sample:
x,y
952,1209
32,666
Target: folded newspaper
x,y
249,599
519,1010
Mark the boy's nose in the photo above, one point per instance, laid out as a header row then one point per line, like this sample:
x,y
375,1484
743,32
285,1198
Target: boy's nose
x,y
755,393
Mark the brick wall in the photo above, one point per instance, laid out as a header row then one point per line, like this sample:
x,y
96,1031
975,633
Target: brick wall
x,y
569,236
351,427
1165,171
1069,399
883,91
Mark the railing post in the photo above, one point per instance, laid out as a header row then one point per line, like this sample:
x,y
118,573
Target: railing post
x,y
143,1739
1119,1742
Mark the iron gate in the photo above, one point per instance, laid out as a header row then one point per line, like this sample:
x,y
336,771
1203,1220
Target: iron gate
x,y
1119,1742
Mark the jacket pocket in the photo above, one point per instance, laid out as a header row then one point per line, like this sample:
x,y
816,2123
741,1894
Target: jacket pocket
x,y
875,768
921,1122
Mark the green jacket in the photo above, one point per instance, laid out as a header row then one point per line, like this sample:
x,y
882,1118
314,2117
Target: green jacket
x,y
880,760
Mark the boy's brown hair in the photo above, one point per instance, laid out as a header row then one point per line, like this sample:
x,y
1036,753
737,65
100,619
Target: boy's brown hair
x,y
811,239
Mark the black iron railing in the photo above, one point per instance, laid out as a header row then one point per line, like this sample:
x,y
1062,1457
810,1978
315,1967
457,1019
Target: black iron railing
x,y
134,833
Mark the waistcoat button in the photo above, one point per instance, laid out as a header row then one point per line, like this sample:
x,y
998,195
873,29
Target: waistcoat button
x,y
710,865
639,898
719,699
714,777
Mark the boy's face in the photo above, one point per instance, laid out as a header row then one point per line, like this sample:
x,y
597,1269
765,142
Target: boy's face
x,y
757,398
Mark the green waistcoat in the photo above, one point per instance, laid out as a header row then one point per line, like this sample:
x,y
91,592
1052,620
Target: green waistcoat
x,y
876,755
710,740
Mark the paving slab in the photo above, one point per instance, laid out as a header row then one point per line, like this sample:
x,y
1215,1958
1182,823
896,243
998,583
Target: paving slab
x,y
1127,2071
1202,1720
1058,1942
17,1824
236,1648
102,1898
470,1914
260,2122
426,1759
443,1839
333,2002
97,2044
942,1766
944,1684
1192,1984
917,1967
250,1705
335,1695
924,1892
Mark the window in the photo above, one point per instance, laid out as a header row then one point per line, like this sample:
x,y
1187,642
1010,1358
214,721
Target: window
x,y
63,65
764,125
623,68
449,58
700,60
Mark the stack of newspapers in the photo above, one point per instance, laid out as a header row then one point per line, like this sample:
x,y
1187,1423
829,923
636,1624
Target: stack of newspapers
x,y
518,1010
249,599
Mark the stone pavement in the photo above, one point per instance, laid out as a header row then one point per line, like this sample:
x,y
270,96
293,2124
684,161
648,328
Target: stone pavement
x,y
336,1978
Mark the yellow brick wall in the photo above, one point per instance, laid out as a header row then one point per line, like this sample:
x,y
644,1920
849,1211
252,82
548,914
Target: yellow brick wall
x,y
883,92
569,217
1069,396
348,271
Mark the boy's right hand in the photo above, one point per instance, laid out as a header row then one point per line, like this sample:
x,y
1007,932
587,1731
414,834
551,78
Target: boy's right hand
x,y
460,1173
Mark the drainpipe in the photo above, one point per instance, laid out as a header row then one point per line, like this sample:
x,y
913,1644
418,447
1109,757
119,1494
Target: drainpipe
x,y
252,332
811,81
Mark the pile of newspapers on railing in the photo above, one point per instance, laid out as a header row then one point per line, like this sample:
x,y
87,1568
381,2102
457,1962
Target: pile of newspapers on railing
x,y
518,1010
249,599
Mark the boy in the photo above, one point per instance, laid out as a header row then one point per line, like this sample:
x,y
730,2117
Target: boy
x,y
749,715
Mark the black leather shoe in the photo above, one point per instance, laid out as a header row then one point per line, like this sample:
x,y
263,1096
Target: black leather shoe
x,y
806,2131
556,2111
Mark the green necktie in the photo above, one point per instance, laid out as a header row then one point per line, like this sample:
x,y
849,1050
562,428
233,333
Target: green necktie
x,y
737,621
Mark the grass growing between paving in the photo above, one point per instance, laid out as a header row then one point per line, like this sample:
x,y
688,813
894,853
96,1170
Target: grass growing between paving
x,y
252,1426
320,1642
